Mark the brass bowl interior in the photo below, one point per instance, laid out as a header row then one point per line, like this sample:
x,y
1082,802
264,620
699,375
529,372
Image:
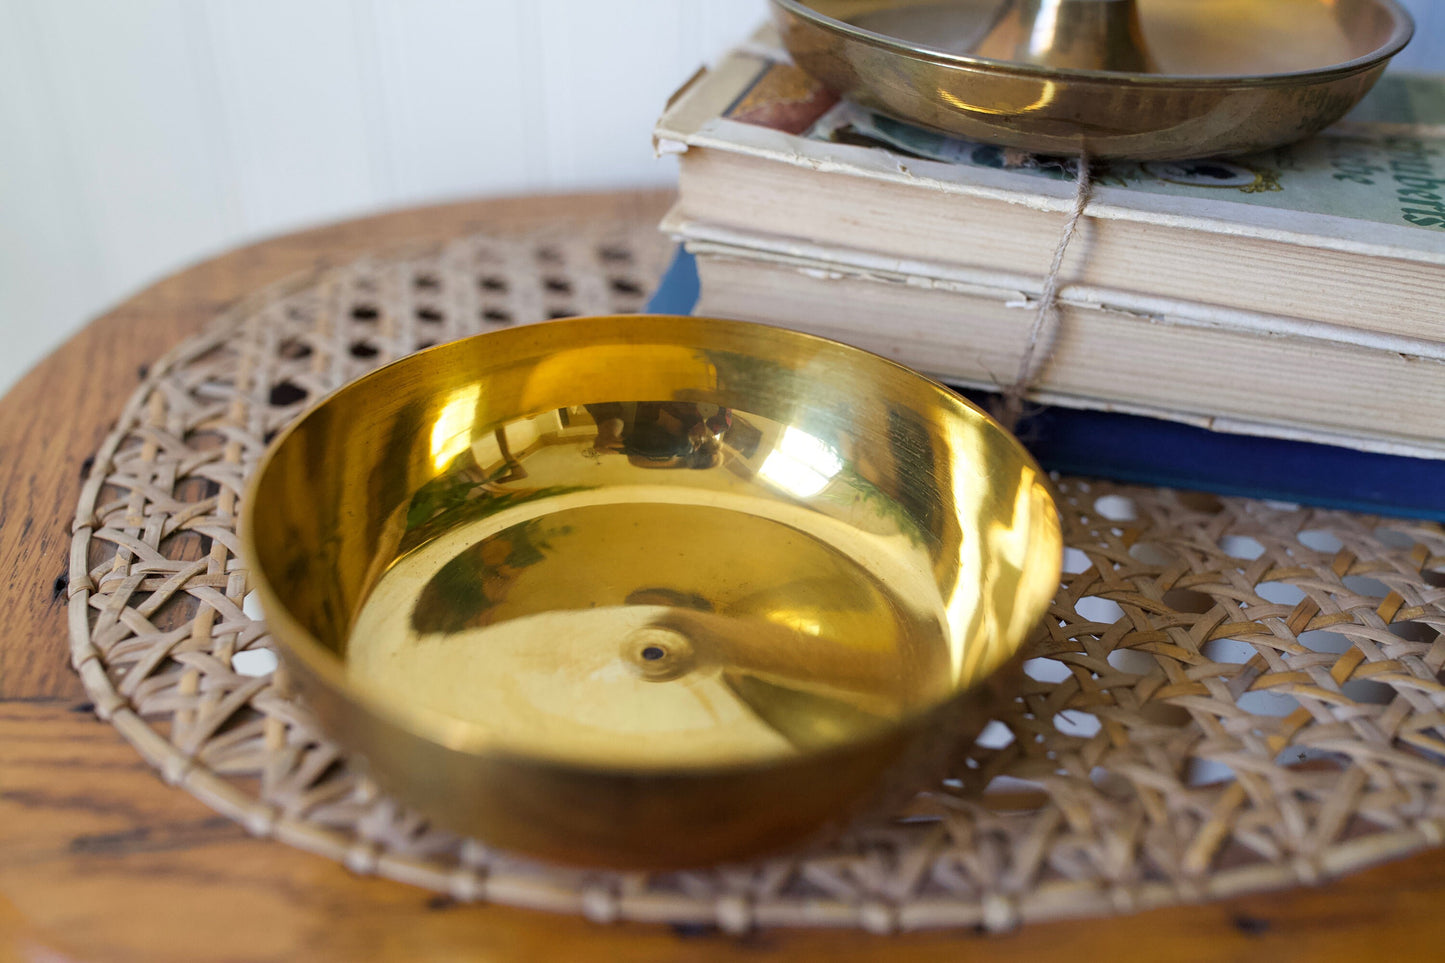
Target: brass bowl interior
x,y
638,550
1227,75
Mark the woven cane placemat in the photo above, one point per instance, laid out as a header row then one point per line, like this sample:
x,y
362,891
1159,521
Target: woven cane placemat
x,y
1228,696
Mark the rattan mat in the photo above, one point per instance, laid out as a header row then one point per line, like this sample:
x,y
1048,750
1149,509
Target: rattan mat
x,y
1228,696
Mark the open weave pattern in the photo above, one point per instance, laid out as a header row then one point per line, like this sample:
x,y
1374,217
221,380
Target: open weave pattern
x,y
1227,696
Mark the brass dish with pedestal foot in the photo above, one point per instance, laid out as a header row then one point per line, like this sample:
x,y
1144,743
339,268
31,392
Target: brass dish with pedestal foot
x,y
1148,80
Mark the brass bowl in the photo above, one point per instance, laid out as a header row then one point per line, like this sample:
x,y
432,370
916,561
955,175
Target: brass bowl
x,y
1223,76
647,591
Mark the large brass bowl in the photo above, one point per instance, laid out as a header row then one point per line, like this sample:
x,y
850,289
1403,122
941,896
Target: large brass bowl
x,y
1220,77
648,591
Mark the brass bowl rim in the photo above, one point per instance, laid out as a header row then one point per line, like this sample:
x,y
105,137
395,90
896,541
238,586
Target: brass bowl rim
x,y
1403,29
473,738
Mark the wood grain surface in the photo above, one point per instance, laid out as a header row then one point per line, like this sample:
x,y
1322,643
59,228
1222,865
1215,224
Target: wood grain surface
x,y
99,860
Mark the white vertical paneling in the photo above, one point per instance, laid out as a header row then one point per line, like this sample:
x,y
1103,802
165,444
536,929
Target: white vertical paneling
x,y
717,25
49,270
211,129
371,85
454,83
292,77
607,70
124,94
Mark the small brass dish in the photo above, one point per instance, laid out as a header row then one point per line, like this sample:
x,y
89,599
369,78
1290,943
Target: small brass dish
x,y
647,591
1141,79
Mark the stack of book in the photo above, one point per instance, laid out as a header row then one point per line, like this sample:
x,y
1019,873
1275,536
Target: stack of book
x,y
1295,294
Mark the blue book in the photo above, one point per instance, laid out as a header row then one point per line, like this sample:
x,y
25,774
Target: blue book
x,y
1152,451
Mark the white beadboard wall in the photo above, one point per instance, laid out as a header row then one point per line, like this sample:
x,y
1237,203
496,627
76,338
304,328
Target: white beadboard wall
x,y
137,136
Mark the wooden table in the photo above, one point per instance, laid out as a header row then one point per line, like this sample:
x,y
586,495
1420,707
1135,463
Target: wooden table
x,y
101,861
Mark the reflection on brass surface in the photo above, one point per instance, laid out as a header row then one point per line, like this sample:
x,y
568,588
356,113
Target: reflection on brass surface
x,y
600,590
1071,34
1150,80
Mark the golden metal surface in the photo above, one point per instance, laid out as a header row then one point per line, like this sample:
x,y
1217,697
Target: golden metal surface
x,y
648,591
1160,79
1070,34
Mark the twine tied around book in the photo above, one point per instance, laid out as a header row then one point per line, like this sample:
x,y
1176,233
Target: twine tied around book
x,y
1044,330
